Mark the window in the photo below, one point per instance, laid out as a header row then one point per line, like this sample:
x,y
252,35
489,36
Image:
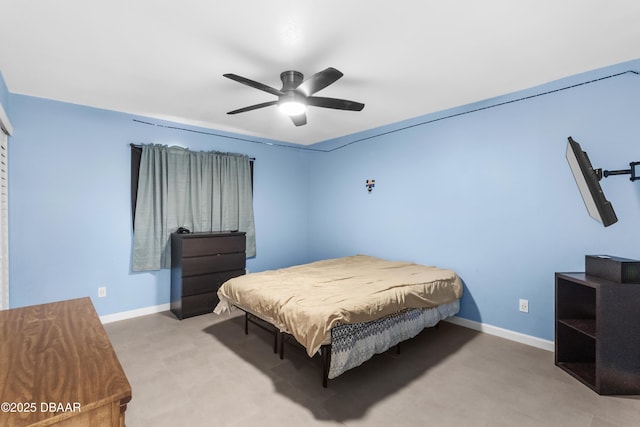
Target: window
x,y
136,156
201,191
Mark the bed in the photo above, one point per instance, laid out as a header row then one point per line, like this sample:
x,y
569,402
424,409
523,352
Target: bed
x,y
347,309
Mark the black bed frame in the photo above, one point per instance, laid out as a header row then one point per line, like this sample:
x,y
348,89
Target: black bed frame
x,y
280,337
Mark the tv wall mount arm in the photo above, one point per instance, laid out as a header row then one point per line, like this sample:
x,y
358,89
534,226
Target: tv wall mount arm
x,y
631,171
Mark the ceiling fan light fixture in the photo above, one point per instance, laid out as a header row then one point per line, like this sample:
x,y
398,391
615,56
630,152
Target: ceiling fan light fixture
x,y
292,108
296,94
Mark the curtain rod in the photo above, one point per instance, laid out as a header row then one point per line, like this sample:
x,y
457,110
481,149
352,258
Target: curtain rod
x,y
132,145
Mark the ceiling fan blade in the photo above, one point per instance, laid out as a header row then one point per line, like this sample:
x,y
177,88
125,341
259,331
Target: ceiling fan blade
x,y
319,81
299,120
254,84
338,104
253,107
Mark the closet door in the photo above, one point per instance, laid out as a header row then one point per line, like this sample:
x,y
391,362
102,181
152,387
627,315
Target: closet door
x,y
4,222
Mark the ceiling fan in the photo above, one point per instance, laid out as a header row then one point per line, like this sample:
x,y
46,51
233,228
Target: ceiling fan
x,y
296,94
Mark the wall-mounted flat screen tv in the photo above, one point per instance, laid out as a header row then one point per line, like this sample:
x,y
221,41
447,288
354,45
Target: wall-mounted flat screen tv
x,y
588,180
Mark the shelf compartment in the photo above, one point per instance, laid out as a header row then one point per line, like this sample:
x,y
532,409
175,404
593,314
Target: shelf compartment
x,y
585,326
585,372
575,300
573,346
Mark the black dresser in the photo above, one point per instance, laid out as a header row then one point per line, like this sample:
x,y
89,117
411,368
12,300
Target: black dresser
x,y
200,263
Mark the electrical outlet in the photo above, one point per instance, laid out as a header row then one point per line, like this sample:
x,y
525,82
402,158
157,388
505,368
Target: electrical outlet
x,y
102,292
524,305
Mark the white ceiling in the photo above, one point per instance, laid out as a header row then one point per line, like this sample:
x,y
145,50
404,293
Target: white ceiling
x,y
402,58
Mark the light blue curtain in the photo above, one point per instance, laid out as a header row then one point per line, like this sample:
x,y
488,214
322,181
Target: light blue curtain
x,y
201,191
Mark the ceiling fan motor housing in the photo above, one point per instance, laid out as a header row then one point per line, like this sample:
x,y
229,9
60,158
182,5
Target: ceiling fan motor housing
x,y
291,79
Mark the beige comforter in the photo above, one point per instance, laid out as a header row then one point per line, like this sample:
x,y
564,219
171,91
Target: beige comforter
x,y
307,300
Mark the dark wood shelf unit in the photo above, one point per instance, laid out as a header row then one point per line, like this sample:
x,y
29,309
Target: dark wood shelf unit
x,y
200,263
597,332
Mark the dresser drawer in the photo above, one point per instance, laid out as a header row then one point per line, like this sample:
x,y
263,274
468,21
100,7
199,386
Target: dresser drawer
x,y
212,264
197,246
198,304
207,282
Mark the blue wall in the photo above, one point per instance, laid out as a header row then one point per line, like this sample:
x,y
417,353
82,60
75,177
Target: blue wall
x,y
487,193
70,206
4,93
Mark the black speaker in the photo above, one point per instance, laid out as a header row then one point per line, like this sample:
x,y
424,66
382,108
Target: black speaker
x,y
616,269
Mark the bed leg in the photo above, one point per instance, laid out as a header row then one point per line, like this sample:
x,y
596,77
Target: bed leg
x,y
246,323
325,352
275,341
281,345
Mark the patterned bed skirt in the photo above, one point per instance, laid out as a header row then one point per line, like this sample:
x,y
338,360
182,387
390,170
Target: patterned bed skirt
x,y
353,344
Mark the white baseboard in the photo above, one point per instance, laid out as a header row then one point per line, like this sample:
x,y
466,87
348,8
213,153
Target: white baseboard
x,y
134,313
471,324
503,333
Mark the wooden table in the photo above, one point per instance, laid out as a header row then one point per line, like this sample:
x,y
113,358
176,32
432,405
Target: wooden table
x,y
57,367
